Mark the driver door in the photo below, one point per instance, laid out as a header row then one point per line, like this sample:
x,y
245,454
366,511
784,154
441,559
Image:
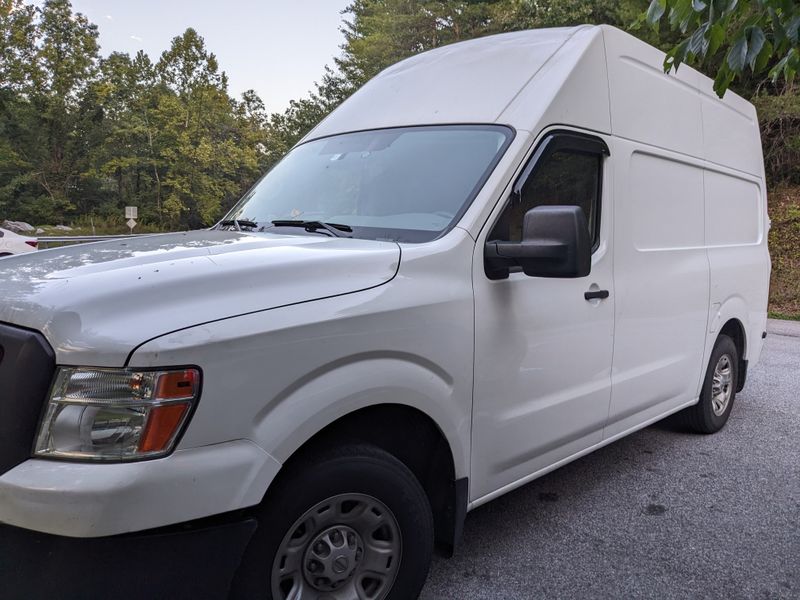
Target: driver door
x,y
542,346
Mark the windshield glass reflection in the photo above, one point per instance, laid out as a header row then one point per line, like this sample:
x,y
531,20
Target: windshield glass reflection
x,y
405,184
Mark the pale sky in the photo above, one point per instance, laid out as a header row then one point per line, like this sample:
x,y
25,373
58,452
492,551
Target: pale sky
x,y
277,47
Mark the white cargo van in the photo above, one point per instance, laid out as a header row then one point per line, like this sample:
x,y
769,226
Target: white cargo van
x,y
493,259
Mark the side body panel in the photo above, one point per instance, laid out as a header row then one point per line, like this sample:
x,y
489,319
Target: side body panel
x,y
731,135
661,276
542,366
647,105
736,233
737,223
690,237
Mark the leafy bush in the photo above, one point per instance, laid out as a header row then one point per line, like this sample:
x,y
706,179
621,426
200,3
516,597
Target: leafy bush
x,y
779,117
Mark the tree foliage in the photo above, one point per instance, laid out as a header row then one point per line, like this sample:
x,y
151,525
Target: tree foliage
x,y
84,135
735,35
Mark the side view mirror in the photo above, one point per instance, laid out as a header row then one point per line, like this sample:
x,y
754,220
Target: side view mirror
x,y
555,243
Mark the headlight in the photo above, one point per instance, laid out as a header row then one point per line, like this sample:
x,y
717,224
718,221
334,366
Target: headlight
x,y
116,414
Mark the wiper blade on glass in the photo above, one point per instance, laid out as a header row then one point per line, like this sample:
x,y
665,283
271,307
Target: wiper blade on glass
x,y
239,223
335,229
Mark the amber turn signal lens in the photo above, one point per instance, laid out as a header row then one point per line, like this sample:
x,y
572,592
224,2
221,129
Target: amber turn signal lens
x,y
177,384
162,424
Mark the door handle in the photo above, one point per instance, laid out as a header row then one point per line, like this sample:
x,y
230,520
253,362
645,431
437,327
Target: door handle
x,y
596,295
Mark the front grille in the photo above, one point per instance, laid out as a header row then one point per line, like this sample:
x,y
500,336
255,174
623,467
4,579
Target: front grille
x,y
27,364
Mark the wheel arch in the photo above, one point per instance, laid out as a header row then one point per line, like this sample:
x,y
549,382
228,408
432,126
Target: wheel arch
x,y
413,437
730,316
735,330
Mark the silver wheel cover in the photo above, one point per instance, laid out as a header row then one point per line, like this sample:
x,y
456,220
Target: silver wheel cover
x,y
347,547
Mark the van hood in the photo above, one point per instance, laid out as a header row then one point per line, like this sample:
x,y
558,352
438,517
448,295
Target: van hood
x,y
96,302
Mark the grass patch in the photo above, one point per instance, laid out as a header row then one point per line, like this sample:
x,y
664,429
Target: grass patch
x,y
784,247
783,316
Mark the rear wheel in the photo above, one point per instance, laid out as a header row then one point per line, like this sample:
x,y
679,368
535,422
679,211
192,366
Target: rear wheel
x,y
355,524
711,413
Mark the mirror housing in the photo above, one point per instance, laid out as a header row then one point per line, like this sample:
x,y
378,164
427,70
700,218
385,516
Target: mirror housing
x,y
555,243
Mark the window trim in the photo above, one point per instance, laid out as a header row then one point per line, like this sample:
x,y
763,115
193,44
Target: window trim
x,y
561,140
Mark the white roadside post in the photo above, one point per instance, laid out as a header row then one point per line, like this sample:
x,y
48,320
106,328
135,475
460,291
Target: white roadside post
x,y
131,213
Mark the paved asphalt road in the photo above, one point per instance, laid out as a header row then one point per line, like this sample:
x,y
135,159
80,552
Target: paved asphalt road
x,y
659,514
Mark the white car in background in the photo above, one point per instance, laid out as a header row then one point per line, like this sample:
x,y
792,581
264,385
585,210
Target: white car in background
x,y
13,243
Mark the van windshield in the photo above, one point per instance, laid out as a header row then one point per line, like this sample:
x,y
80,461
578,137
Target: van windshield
x,y
407,184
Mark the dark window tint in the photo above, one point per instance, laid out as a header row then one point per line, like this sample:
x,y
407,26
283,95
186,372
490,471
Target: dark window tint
x,y
564,178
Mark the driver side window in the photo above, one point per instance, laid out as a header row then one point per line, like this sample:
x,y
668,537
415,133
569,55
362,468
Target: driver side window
x,y
564,177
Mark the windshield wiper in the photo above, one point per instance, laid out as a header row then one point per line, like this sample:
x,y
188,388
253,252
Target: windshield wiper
x,y
238,223
335,229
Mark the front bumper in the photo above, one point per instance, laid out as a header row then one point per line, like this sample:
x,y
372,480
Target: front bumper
x,y
196,561
86,500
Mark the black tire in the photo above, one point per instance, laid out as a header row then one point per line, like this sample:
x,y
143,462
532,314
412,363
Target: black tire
x,y
352,469
701,417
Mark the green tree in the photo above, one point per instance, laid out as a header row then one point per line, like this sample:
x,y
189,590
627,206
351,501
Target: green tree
x,y
52,61
17,48
734,35
83,136
17,43
287,128
199,135
530,14
125,163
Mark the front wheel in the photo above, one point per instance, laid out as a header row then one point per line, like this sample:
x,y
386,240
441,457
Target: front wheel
x,y
711,413
355,524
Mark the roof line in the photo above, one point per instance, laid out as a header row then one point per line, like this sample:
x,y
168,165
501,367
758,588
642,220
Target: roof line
x,y
535,73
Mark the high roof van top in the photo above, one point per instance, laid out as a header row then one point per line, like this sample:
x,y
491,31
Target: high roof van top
x,y
596,77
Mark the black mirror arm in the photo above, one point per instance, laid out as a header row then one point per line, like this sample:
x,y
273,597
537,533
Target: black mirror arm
x,y
511,251
500,256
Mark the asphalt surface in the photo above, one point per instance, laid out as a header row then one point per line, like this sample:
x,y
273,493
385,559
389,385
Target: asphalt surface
x,y
659,514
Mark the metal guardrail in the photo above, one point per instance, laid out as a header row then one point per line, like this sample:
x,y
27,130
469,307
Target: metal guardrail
x,y
82,239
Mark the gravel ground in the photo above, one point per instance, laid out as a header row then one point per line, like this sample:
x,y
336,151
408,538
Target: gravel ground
x,y
659,514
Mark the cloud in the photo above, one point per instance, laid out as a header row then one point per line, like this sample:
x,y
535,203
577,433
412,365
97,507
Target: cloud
x,y
136,38
109,17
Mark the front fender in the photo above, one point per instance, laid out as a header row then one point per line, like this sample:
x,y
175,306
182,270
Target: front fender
x,y
278,377
361,381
